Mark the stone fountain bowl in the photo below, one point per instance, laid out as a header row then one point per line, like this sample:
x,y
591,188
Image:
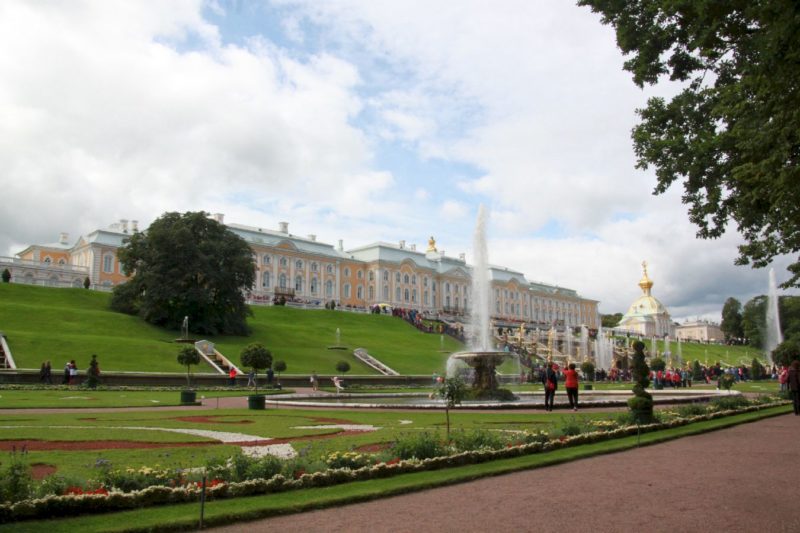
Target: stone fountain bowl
x,y
474,359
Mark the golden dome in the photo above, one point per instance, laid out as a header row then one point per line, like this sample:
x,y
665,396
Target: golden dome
x,y
646,283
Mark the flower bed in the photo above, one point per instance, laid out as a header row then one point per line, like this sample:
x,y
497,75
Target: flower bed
x,y
100,499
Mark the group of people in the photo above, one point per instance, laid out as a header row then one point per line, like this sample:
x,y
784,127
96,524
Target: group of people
x,y
549,379
251,377
70,373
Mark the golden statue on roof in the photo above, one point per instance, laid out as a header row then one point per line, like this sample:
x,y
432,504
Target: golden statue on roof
x,y
431,244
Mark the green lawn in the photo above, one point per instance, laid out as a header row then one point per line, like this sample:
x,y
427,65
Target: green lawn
x,y
225,512
61,324
85,398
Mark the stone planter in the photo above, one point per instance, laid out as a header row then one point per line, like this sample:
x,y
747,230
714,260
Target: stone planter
x,y
188,396
256,401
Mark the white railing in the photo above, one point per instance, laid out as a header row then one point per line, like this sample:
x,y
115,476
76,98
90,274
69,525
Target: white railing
x,y
9,359
362,355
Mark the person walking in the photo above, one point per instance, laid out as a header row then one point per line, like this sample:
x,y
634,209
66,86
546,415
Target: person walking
x,y
73,372
314,381
65,381
46,373
550,382
793,381
270,376
251,378
232,376
571,384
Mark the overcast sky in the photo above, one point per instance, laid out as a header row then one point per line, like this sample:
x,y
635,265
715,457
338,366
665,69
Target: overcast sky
x,y
361,120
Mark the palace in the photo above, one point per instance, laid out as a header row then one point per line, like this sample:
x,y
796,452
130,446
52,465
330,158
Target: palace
x,y
307,270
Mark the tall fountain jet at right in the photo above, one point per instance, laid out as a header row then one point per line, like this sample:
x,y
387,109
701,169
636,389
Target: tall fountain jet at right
x,y
774,334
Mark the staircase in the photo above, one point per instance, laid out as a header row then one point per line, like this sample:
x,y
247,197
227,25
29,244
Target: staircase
x,y
218,362
6,359
362,355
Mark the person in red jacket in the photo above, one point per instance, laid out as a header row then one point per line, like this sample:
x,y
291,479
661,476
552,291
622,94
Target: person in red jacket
x,y
571,384
232,376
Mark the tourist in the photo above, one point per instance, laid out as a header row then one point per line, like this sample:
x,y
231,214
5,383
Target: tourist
x,y
232,376
783,378
314,381
270,376
73,372
571,384
338,383
793,380
550,382
65,381
251,378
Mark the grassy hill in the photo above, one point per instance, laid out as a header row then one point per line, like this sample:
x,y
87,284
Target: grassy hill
x,y
61,324
691,351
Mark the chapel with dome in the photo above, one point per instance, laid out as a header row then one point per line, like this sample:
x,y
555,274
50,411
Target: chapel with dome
x,y
647,316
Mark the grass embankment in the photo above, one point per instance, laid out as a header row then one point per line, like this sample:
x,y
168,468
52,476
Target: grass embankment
x,y
82,397
224,512
44,323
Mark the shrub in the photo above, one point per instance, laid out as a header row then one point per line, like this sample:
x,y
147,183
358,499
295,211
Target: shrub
x,y
263,467
726,381
256,357
419,446
16,481
87,282
343,367
692,409
757,370
728,403
569,427
657,364
477,439
6,275
188,356
697,371
641,408
587,367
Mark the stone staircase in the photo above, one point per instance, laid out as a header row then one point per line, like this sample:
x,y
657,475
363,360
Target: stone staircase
x,y
6,359
362,355
214,358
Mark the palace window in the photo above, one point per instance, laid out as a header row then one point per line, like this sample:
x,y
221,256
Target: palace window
x,y
313,285
385,292
447,287
298,283
360,292
298,264
414,295
329,288
406,295
47,260
425,281
329,269
414,279
397,294
282,281
347,290
425,297
266,259
108,263
347,272
397,277
265,279
405,279
360,274
284,261
371,275
385,275
371,292
313,267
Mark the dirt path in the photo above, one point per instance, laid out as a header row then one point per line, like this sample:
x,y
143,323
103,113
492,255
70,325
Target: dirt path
x,y
740,479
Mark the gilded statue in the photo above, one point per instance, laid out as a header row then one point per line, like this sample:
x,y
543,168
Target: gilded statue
x,y
431,244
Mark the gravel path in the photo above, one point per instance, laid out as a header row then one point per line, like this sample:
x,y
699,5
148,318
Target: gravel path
x,y
739,479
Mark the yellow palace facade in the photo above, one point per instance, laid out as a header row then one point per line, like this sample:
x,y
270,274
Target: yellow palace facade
x,y
306,270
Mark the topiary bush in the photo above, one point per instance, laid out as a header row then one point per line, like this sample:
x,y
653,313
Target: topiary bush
x,y
6,275
418,446
343,367
587,367
657,364
641,405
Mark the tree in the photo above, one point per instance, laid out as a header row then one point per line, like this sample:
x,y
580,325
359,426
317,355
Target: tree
x,y
188,356
6,275
610,321
731,324
753,320
187,265
732,135
587,367
641,405
343,367
452,392
757,370
93,373
87,282
256,357
786,352
279,366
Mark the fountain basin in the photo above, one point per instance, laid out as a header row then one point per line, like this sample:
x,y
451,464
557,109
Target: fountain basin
x,y
525,400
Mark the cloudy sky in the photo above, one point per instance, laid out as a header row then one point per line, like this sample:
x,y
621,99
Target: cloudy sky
x,y
361,120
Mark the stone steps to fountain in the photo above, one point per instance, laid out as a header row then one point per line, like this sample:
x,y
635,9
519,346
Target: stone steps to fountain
x,y
362,355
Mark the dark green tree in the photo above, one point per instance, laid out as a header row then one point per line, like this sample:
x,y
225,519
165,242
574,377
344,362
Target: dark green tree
x,y
757,370
187,265
87,282
754,320
256,357
587,367
6,275
610,321
279,366
93,373
641,405
731,325
697,371
188,356
732,135
786,352
657,364
343,367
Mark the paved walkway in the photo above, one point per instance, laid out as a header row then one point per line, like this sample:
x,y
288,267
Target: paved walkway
x,y
740,479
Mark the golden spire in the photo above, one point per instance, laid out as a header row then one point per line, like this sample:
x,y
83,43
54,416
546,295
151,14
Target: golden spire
x,y
431,244
645,283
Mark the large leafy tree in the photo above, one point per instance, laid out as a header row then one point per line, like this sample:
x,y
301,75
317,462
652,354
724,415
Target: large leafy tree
x,y
732,135
731,324
187,265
